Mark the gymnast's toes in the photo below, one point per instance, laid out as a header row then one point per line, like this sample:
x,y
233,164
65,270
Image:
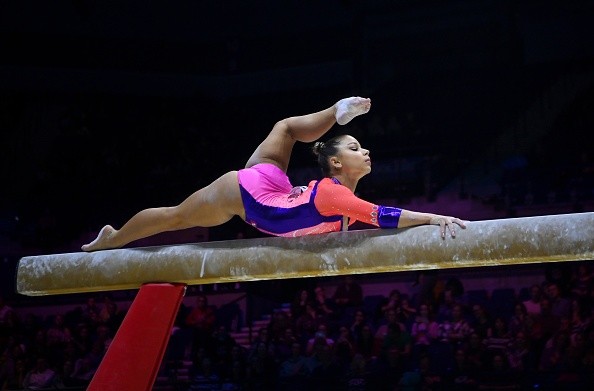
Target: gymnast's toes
x,y
349,108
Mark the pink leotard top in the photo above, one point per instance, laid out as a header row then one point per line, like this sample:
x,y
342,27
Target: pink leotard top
x,y
317,208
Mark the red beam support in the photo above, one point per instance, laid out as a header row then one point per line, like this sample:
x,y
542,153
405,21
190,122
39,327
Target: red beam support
x,y
134,357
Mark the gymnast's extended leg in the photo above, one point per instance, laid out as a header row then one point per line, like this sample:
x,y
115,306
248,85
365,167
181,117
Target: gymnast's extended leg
x,y
212,205
277,147
218,202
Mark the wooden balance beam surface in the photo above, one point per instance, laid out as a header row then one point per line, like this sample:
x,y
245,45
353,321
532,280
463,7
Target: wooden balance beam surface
x,y
553,238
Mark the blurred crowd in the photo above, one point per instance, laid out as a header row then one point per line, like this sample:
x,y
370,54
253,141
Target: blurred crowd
x,y
435,335
62,350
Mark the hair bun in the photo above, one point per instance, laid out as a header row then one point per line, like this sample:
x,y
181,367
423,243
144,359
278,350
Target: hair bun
x,y
318,146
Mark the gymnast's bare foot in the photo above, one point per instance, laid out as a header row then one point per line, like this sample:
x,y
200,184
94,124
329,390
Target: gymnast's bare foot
x,y
102,241
349,108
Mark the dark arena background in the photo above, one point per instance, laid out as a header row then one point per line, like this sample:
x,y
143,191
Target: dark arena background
x,y
482,109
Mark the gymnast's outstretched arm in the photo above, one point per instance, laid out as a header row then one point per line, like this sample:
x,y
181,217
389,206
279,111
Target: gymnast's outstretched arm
x,y
333,199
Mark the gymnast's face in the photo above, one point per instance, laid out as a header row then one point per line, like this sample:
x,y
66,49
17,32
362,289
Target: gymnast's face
x,y
351,159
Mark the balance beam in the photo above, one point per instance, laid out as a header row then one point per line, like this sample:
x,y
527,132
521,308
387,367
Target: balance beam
x,y
552,238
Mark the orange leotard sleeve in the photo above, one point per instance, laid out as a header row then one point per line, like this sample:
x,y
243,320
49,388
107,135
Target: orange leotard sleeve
x,y
333,199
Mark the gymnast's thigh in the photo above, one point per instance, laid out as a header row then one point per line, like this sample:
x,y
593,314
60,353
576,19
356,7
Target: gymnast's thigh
x,y
215,203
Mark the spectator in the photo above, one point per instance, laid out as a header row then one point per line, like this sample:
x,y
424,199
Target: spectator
x,y
326,373
15,380
546,323
519,320
263,337
30,326
456,329
553,357
343,347
365,343
284,345
12,326
223,342
576,352
41,376
424,331
324,304
307,323
235,378
202,321
358,377
278,325
83,372
7,367
533,303
520,357
294,371
109,315
5,309
348,294
396,339
390,303
499,338
237,355
320,337
103,337
298,306
462,375
476,352
390,318
206,378
70,353
446,307
500,329
422,290
560,306
37,346
83,339
481,322
360,320
91,311
582,281
559,273
58,333
407,313
261,368
497,376
95,355
197,360
391,367
425,378
455,286
581,315
65,379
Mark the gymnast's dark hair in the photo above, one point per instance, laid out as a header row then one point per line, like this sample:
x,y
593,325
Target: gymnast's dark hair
x,y
323,151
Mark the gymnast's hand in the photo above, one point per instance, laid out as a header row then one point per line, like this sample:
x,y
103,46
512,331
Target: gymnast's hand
x,y
447,222
296,192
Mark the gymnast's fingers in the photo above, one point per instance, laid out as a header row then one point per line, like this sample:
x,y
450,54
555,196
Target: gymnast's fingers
x,y
461,223
451,226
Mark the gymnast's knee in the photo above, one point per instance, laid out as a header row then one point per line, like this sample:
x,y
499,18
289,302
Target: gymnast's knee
x,y
174,218
282,127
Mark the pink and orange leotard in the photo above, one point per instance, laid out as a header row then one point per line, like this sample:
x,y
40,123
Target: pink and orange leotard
x,y
272,207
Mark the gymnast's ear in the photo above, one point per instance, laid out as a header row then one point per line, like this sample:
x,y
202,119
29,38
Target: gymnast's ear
x,y
335,162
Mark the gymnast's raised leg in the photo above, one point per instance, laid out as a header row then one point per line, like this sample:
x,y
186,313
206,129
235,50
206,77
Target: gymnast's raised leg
x,y
218,202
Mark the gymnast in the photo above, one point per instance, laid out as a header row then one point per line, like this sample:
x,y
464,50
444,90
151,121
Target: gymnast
x,y
262,195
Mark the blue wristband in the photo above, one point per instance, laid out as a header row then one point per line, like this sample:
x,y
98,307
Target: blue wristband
x,y
388,217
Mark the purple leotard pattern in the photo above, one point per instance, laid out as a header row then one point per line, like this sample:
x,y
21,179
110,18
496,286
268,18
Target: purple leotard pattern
x,y
272,207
